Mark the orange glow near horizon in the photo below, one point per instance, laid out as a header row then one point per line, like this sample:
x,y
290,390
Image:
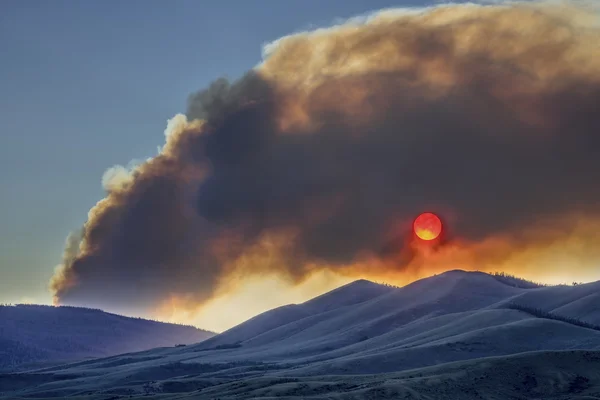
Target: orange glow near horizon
x,y
427,226
248,299
541,253
245,298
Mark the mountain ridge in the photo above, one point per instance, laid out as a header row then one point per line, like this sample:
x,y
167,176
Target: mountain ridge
x,y
359,336
33,334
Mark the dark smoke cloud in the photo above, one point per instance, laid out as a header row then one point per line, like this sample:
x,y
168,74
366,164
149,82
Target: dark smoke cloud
x,y
488,115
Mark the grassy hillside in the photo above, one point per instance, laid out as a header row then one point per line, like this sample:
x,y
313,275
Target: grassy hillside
x,y
32,335
536,312
517,282
457,335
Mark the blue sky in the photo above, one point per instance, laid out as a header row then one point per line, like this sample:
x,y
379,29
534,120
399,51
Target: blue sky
x,y
85,85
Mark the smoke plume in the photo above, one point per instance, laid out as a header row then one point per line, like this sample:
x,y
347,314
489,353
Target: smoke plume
x,y
319,158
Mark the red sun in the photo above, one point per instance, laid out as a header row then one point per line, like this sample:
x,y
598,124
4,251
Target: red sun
x,y
427,226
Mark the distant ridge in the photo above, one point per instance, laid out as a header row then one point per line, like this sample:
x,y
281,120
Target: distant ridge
x,y
515,281
97,310
347,295
39,335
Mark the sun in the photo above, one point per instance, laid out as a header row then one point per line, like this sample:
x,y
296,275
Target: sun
x,y
427,226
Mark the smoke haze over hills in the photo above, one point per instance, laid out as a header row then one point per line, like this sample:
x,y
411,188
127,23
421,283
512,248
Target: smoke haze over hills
x,y
313,165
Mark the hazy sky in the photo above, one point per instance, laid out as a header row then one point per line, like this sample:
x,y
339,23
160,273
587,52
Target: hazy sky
x,y
85,85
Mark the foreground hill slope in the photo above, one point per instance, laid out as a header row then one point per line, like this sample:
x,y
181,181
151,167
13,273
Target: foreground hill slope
x,y
340,299
304,330
365,339
32,335
566,375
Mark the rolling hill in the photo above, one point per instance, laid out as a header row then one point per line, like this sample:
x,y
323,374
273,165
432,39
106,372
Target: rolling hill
x,y
35,335
455,335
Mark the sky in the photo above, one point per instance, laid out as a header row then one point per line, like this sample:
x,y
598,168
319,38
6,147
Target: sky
x,y
284,187
86,85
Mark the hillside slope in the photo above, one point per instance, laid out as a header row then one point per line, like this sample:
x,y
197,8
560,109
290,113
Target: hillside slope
x,y
365,339
33,335
342,298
